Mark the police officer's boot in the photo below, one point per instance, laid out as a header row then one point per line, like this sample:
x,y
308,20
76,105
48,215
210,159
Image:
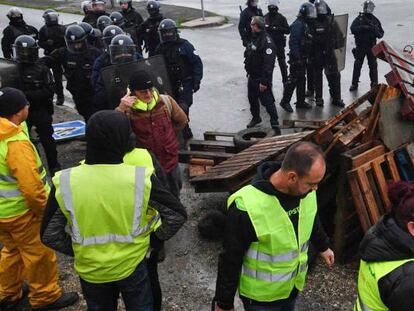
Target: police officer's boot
x,y
303,105
253,122
353,87
319,102
287,95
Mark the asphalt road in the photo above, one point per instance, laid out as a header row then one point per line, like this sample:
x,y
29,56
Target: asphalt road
x,y
221,104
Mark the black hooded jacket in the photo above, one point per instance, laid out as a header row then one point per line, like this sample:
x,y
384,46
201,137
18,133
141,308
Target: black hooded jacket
x,y
240,233
109,137
10,33
386,241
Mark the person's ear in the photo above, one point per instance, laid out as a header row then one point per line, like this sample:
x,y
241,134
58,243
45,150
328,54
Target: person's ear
x,y
292,177
410,227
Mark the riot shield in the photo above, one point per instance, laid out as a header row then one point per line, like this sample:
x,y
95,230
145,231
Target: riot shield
x,y
9,74
116,77
341,31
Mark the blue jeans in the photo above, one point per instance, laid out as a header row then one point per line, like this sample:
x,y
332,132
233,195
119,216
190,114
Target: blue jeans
x,y
135,291
279,305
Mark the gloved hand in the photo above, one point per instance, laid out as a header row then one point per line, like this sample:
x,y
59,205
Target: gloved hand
x,y
196,87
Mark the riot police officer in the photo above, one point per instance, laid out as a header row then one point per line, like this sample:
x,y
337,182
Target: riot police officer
x,y
366,28
260,56
77,59
117,19
17,27
245,18
94,35
184,66
299,44
149,28
37,85
325,40
100,100
102,22
52,37
133,20
86,7
277,27
98,10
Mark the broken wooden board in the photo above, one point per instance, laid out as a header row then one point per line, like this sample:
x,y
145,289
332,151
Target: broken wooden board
x,y
237,171
401,75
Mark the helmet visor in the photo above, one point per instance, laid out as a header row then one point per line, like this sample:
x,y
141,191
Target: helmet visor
x,y
77,46
25,54
121,54
369,7
168,35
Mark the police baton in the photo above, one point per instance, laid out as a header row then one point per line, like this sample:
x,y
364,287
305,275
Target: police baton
x,y
241,9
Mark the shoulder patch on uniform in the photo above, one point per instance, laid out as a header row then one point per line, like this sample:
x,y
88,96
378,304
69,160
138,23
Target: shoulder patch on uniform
x,y
268,39
269,51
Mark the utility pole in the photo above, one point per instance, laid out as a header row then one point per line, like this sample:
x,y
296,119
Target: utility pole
x,y
202,11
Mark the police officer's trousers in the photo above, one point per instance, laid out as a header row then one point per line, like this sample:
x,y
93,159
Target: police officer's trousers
x,y
296,81
360,53
266,99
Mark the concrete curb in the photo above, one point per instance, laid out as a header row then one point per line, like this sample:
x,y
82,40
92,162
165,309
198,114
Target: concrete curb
x,y
210,21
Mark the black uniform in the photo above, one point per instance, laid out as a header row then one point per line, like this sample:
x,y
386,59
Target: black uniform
x,y
260,56
78,70
92,17
325,41
10,33
366,28
386,241
52,37
133,20
299,44
244,23
148,32
277,27
37,85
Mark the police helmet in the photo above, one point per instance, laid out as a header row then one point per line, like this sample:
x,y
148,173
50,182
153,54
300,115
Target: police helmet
x,y
368,7
14,12
109,33
153,7
51,17
168,30
307,10
76,39
98,5
25,49
125,1
87,27
122,50
252,3
271,4
259,21
86,6
117,19
321,7
103,21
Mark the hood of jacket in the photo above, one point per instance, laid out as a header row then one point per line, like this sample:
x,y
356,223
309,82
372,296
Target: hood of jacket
x,y
386,241
109,137
8,129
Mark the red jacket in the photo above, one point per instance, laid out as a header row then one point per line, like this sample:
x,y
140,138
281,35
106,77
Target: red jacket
x,y
154,131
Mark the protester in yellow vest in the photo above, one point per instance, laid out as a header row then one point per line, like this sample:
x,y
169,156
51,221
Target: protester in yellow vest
x,y
111,207
269,227
386,274
23,197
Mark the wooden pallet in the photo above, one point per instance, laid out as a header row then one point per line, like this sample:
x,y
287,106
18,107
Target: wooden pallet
x,y
237,171
369,188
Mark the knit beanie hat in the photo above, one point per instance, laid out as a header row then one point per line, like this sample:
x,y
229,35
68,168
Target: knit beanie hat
x,y
140,80
11,101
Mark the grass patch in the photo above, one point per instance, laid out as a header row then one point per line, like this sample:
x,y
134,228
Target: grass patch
x,y
42,7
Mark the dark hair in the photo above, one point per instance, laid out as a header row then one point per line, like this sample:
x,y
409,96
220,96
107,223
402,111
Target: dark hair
x,y
300,157
401,195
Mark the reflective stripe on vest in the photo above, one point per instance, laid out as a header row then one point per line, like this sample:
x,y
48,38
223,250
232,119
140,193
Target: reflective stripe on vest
x,y
369,298
136,228
255,254
275,264
12,202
